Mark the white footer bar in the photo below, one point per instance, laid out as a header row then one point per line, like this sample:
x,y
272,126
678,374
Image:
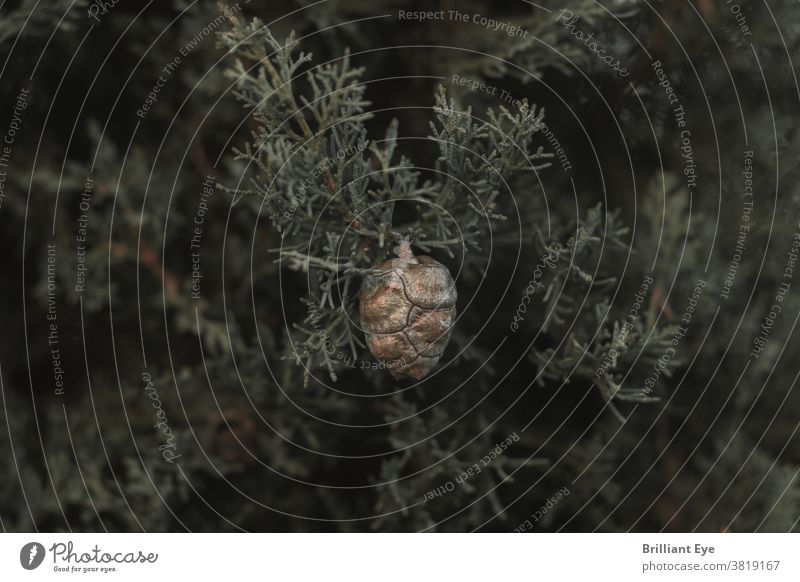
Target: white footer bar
x,y
400,557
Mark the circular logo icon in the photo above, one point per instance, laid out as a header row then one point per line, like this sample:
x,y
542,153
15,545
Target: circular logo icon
x,y
31,555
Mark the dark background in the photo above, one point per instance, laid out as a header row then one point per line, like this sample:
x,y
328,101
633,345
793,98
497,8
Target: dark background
x,y
263,449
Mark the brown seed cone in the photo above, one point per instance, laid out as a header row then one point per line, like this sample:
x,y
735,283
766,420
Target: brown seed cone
x,y
408,306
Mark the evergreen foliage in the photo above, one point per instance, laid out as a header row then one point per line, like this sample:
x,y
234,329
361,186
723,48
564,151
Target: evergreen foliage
x,y
603,348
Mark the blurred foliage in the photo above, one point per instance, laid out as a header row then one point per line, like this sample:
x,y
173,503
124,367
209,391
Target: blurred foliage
x,y
275,435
